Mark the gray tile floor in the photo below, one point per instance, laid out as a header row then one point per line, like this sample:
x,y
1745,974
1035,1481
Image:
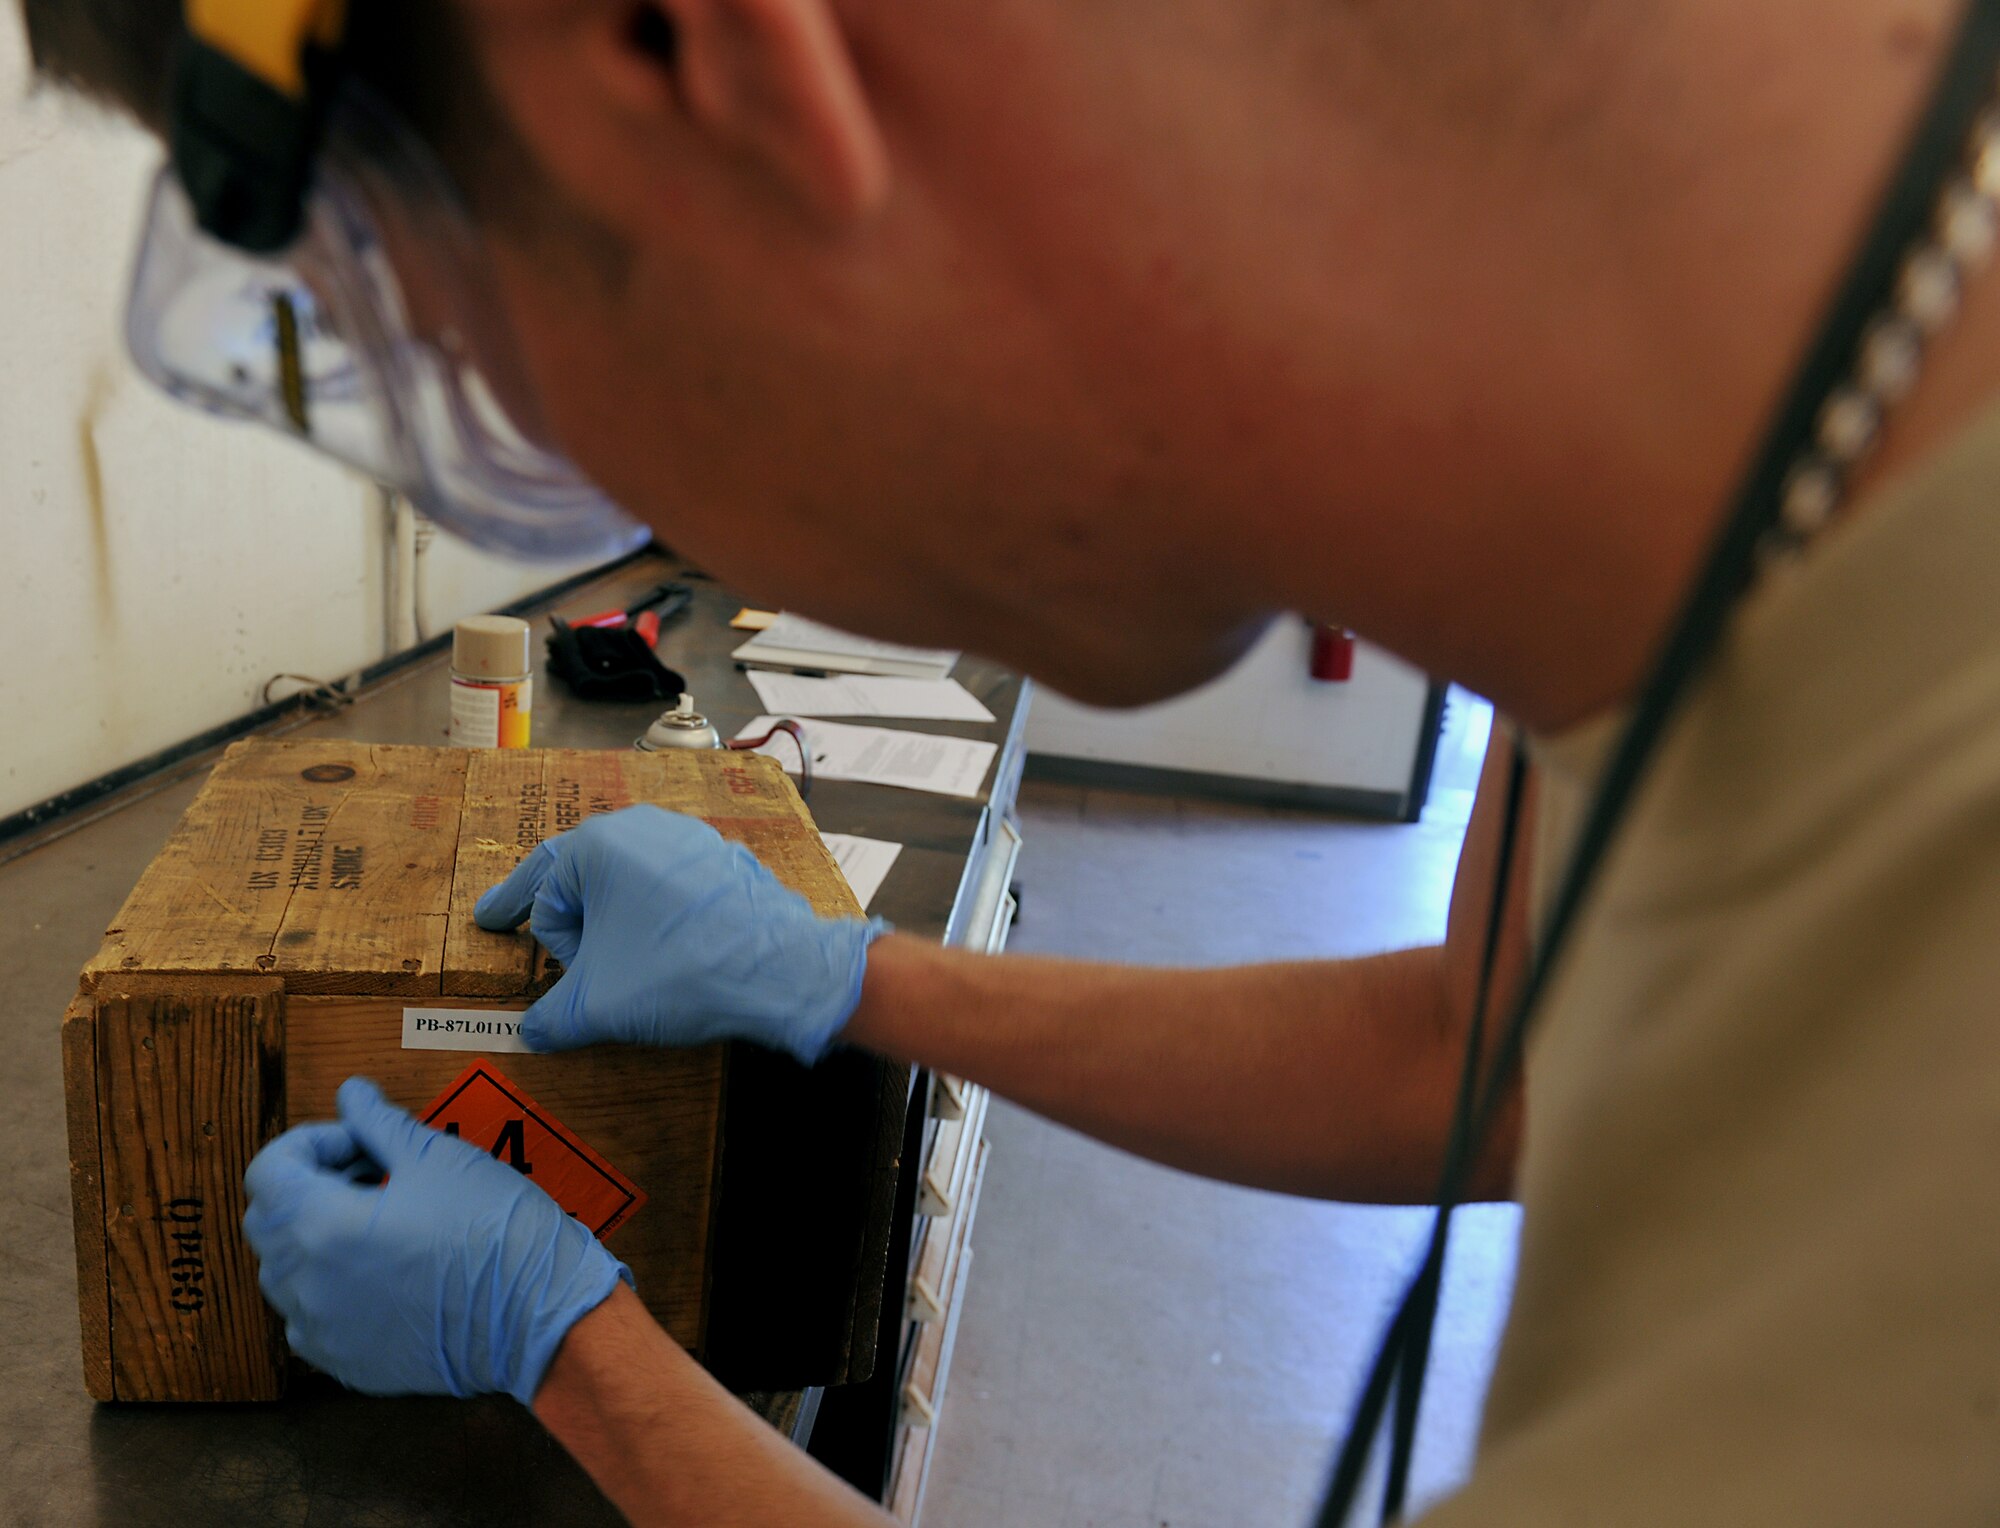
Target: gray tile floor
x,y
1143,1349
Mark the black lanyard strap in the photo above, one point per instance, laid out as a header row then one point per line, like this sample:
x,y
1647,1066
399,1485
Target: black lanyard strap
x,y
1966,84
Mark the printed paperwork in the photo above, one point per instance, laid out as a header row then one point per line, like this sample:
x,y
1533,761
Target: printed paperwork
x,y
941,700
946,766
792,641
864,861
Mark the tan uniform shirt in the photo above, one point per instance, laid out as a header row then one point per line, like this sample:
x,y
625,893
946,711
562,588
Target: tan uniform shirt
x,y
1760,1266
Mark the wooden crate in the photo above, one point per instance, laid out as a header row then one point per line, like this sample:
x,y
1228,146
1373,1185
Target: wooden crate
x,y
316,893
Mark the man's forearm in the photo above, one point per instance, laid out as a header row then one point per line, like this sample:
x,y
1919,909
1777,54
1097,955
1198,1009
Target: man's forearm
x,y
668,1445
1334,1079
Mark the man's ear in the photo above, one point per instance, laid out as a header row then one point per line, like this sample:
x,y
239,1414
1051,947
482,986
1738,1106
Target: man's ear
x,y
771,79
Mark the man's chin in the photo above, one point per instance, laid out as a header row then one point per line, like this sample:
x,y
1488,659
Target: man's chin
x,y
1129,678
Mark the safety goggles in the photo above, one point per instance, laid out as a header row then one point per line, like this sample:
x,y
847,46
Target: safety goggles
x,y
375,337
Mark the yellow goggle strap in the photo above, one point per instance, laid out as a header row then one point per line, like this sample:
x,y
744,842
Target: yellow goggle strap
x,y
251,91
269,38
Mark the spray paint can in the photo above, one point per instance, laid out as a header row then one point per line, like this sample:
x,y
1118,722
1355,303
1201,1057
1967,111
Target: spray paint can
x,y
682,727
492,683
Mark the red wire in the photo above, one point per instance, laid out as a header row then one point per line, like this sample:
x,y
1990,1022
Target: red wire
x,y
798,736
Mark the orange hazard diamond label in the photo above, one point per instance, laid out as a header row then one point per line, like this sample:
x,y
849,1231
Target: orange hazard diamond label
x,y
483,1107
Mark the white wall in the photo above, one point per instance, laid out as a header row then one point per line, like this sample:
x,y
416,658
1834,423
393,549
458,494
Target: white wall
x,y
156,567
1268,719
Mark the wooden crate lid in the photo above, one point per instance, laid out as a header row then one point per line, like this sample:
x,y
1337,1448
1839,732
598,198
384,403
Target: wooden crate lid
x,y
347,867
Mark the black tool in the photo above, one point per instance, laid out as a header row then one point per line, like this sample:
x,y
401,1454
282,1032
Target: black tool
x,y
610,656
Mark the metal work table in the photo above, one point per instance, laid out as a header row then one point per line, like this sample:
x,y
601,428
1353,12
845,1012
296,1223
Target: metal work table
x,y
323,1456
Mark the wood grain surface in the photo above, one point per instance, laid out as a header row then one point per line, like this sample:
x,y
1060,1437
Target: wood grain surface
x,y
86,1189
368,911
328,862
352,868
188,1084
505,814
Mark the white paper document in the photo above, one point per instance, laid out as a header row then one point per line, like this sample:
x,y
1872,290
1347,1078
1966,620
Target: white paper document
x,y
794,642
864,861
938,700
946,766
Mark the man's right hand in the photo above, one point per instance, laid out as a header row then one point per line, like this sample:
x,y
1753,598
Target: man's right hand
x,y
671,935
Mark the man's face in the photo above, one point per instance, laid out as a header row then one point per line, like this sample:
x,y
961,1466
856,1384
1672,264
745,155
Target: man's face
x,y
936,395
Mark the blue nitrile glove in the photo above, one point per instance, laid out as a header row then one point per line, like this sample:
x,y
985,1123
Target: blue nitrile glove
x,y
672,935
455,1277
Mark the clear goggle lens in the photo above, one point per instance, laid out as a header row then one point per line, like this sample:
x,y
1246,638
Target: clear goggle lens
x,y
399,367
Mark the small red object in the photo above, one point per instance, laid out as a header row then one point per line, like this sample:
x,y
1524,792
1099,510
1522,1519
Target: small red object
x,y
646,623
1332,653
784,724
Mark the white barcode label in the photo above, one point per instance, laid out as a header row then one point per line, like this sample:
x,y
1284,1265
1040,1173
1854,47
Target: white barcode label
x,y
460,1029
